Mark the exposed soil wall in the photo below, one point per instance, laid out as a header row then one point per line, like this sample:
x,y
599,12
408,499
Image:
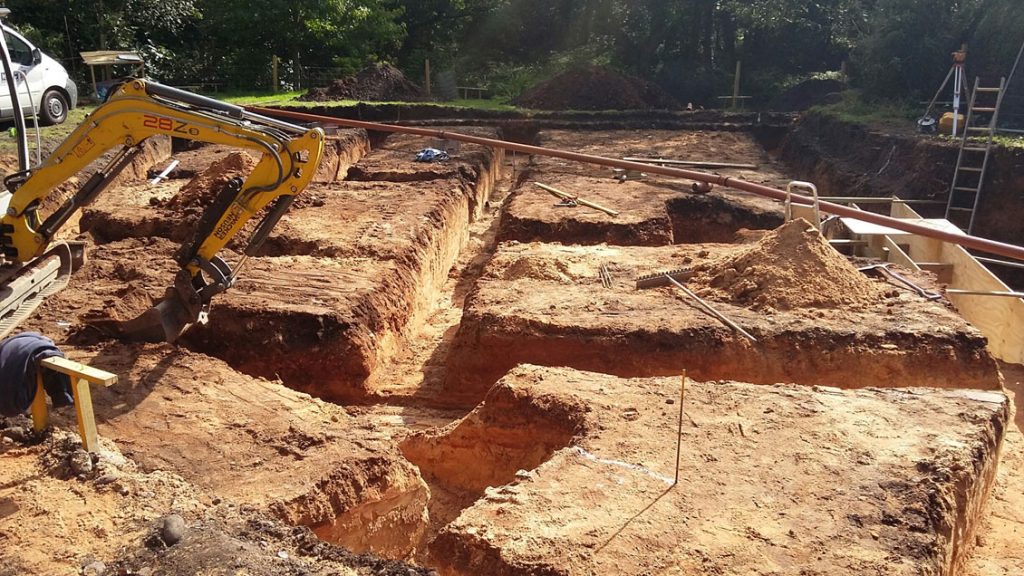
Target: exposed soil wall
x,y
376,288
348,272
914,467
544,304
511,431
717,218
845,159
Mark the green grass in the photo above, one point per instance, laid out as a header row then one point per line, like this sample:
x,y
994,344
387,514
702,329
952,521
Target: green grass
x,y
855,109
897,117
259,98
51,136
291,99
1008,141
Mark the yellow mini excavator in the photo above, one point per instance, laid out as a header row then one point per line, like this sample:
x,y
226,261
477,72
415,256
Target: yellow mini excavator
x,y
33,266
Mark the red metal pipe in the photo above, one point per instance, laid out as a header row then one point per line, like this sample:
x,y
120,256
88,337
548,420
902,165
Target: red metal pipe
x,y
974,242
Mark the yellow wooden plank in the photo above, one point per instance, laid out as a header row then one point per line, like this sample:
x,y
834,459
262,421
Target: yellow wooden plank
x,y
77,370
40,416
897,254
86,419
942,270
1001,320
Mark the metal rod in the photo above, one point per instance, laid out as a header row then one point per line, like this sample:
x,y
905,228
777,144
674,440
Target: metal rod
x,y
973,242
564,196
999,262
903,281
679,432
984,293
876,200
708,308
694,163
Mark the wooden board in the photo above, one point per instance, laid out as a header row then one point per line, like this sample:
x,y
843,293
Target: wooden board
x,y
860,227
1000,319
76,370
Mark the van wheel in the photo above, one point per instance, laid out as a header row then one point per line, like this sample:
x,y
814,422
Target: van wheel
x,y
55,108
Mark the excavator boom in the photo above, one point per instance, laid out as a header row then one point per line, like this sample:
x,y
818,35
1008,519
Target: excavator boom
x,y
138,110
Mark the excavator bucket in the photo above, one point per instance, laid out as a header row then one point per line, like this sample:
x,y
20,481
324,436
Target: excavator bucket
x,y
167,321
164,322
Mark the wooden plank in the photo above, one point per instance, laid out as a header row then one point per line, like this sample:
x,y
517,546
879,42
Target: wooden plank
x,y
942,270
77,370
843,242
898,255
805,212
82,376
40,415
859,227
83,409
1001,320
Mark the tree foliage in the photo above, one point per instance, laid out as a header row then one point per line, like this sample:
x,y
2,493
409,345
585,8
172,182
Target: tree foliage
x,y
894,48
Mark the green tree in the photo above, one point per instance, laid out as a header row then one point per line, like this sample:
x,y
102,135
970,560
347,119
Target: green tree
x,y
67,27
241,36
906,50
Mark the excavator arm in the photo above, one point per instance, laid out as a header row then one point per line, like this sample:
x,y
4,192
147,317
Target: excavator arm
x,y
136,111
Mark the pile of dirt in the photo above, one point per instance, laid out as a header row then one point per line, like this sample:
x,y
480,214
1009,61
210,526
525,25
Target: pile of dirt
x,y
791,267
806,94
378,82
565,272
202,190
129,303
596,88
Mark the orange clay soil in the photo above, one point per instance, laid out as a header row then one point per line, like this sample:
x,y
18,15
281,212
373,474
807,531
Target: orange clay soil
x,y
252,467
772,479
559,472
653,211
545,304
202,189
347,276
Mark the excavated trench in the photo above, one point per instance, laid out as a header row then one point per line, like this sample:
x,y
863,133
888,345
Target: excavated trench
x,y
350,294
710,219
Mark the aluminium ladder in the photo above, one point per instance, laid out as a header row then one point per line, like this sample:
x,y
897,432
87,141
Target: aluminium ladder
x,y
972,163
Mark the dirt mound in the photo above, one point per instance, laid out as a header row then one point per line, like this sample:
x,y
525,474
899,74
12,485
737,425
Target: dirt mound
x,y
806,94
596,88
791,267
203,189
551,270
378,82
130,302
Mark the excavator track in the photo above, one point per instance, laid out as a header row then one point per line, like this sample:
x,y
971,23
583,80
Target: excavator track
x,y
25,288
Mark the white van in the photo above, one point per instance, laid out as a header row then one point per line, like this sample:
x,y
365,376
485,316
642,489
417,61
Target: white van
x,y
52,91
